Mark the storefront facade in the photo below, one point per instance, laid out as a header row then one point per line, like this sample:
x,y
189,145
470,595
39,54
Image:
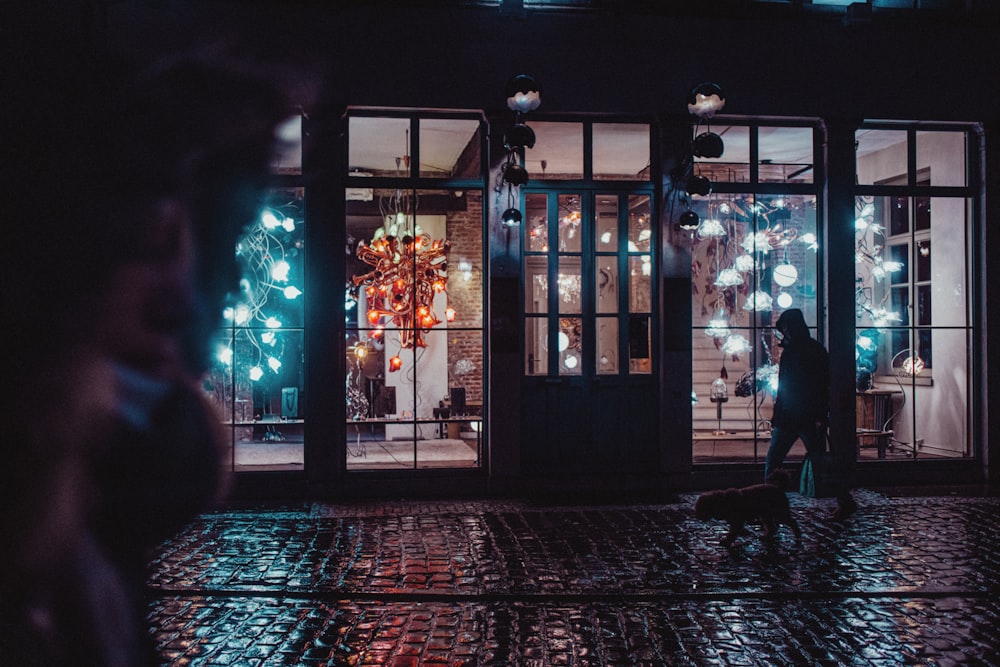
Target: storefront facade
x,y
617,336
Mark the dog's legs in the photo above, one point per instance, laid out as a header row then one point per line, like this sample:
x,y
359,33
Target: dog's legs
x,y
734,531
769,526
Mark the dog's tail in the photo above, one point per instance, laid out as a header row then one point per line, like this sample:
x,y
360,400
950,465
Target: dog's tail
x,y
779,477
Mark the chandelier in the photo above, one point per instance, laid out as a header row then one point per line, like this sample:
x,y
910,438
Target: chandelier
x,y
408,270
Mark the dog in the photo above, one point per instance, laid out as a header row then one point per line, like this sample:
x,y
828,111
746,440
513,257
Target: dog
x,y
765,502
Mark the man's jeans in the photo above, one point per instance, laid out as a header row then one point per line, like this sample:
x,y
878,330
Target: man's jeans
x,y
783,437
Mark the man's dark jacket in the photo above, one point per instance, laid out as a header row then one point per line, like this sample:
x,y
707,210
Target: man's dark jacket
x,y
803,376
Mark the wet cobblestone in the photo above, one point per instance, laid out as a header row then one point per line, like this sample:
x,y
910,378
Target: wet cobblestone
x,y
906,581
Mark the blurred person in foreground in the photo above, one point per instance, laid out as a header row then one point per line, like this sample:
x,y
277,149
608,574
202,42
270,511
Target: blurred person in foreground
x,y
802,404
124,194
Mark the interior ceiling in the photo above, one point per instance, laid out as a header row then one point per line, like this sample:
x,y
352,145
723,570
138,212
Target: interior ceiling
x,y
559,148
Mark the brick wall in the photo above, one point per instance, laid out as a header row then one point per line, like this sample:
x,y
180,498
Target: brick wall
x,y
465,295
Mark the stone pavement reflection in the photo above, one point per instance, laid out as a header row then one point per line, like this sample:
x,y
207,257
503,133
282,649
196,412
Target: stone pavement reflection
x,y
906,581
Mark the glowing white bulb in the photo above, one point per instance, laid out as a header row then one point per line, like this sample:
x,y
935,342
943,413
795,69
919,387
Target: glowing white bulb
x,y
710,228
225,355
744,263
563,341
860,224
759,301
272,323
269,220
784,299
735,343
571,361
256,373
606,237
717,328
785,274
288,224
892,266
757,242
728,278
268,338
274,363
242,314
228,313
866,343
810,240
292,292
279,270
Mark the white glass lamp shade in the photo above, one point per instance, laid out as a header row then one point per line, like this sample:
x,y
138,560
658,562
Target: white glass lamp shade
x,y
785,274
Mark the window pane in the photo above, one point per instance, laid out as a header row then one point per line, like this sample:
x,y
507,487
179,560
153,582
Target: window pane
x,y
606,229
449,148
570,346
785,154
621,151
607,345
558,151
924,305
537,228
640,233
289,158
607,284
734,164
947,267
640,283
570,220
536,284
570,285
880,154
379,146
639,346
536,344
939,422
945,154
899,214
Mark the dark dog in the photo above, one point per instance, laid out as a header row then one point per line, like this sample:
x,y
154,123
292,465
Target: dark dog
x,y
766,503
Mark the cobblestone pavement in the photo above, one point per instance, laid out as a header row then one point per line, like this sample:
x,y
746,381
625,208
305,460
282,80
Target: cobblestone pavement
x,y
905,581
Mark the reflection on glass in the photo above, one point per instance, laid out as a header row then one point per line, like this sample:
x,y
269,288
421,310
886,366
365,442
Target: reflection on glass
x,y
607,346
570,341
607,284
621,151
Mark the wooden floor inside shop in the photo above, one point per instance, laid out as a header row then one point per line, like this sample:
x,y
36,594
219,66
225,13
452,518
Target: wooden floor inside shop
x,y
738,447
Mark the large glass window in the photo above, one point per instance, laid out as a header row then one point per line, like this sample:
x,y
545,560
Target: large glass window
x,y
257,375
913,331
754,254
414,293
